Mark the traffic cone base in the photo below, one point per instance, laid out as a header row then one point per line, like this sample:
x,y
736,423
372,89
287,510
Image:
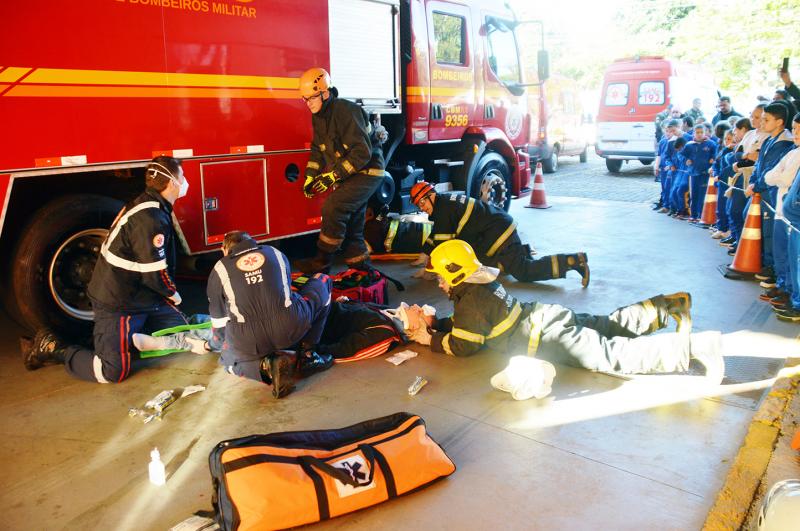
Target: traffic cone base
x,y
748,251
538,198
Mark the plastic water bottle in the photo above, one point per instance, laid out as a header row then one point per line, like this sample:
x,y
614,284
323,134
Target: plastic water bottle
x,y
158,474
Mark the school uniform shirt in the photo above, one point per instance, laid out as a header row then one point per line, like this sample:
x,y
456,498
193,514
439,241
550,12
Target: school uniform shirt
x,y
772,151
782,176
701,154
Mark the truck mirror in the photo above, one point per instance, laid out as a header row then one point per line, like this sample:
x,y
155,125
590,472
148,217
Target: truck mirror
x,y
516,89
543,60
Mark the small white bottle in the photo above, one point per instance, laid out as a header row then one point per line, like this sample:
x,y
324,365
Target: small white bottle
x,y
158,474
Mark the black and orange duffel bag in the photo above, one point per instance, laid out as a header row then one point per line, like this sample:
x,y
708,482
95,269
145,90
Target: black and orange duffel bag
x,y
288,479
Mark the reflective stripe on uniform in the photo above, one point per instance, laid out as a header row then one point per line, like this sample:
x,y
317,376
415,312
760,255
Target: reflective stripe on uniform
x,y
287,300
97,368
554,262
443,236
348,167
120,262
426,232
467,335
219,322
228,289
376,172
508,322
652,314
502,239
313,165
322,147
390,234
536,330
465,217
446,345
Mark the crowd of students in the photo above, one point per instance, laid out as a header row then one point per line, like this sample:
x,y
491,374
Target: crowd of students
x,y
743,156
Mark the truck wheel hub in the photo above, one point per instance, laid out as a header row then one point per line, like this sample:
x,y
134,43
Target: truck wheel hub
x,y
71,269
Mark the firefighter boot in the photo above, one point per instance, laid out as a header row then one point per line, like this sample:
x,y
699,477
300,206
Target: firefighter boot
x,y
679,307
320,263
45,349
278,369
310,362
579,262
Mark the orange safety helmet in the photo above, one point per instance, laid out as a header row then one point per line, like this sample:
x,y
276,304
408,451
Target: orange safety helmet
x,y
313,81
420,190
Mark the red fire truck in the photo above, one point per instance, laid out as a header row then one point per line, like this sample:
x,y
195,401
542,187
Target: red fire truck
x,y
91,90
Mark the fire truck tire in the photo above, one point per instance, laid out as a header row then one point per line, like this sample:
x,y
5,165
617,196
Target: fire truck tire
x,y
550,164
54,260
492,181
384,194
614,165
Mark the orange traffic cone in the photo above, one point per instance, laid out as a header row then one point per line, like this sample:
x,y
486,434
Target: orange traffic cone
x,y
538,199
709,216
748,251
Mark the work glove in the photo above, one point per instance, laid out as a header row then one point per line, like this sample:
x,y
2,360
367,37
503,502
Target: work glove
x,y
324,181
308,190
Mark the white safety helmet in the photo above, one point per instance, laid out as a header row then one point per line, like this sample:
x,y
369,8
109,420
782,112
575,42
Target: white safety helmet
x,y
780,510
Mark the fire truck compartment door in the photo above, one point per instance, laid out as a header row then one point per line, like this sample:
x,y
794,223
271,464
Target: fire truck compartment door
x,y
364,53
234,198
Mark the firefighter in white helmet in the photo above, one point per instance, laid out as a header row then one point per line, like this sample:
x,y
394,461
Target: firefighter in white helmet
x,y
780,509
345,157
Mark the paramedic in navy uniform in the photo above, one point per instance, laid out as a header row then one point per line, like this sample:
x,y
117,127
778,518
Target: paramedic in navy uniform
x,y
131,287
251,298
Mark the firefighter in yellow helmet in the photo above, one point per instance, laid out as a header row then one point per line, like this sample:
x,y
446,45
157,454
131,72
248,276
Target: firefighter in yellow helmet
x,y
485,314
345,157
493,234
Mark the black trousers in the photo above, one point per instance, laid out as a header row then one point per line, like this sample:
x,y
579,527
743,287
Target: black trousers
x,y
343,217
516,260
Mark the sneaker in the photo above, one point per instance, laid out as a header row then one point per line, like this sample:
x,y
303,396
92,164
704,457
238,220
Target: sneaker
x,y
732,250
656,206
706,348
719,235
679,307
765,274
46,348
781,300
791,315
310,362
728,241
768,282
281,366
663,210
770,294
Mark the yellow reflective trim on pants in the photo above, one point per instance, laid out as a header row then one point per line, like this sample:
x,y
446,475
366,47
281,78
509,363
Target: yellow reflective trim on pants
x,y
322,147
313,165
467,335
467,214
554,262
508,322
330,241
348,167
390,234
536,332
446,345
443,236
502,239
426,232
376,172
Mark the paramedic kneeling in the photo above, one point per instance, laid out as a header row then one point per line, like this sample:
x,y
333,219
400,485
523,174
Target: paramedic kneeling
x,y
250,297
131,287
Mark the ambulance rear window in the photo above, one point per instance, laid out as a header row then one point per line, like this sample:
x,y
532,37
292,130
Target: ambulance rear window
x,y
651,93
617,94
448,32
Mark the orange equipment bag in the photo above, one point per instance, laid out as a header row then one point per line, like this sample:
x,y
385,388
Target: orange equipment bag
x,y
282,480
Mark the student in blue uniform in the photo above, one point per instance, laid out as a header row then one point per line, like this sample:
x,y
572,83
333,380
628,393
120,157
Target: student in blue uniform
x,y
663,163
780,142
250,297
679,202
699,155
791,211
723,159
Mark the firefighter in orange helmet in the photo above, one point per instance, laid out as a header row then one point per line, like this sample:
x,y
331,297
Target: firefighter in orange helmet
x,y
345,157
493,234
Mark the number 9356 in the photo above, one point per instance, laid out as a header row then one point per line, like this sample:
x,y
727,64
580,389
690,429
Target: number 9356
x,y
456,120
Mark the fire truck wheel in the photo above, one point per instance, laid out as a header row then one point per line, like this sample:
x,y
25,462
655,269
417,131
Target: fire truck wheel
x,y
54,260
492,181
614,165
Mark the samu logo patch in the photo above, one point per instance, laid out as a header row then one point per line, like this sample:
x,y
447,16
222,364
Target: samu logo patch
x,y
250,262
356,467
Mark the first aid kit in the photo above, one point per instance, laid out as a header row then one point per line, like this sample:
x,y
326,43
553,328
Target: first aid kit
x,y
364,286
287,479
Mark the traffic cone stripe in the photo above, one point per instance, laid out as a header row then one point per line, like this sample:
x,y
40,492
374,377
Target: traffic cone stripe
x,y
751,234
538,186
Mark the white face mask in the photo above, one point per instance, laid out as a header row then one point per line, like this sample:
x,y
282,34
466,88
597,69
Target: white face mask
x,y
184,188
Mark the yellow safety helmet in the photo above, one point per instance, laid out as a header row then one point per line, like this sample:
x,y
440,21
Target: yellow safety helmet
x,y
313,81
454,261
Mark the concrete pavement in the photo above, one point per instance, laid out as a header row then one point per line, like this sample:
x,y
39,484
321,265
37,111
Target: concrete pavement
x,y
599,453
